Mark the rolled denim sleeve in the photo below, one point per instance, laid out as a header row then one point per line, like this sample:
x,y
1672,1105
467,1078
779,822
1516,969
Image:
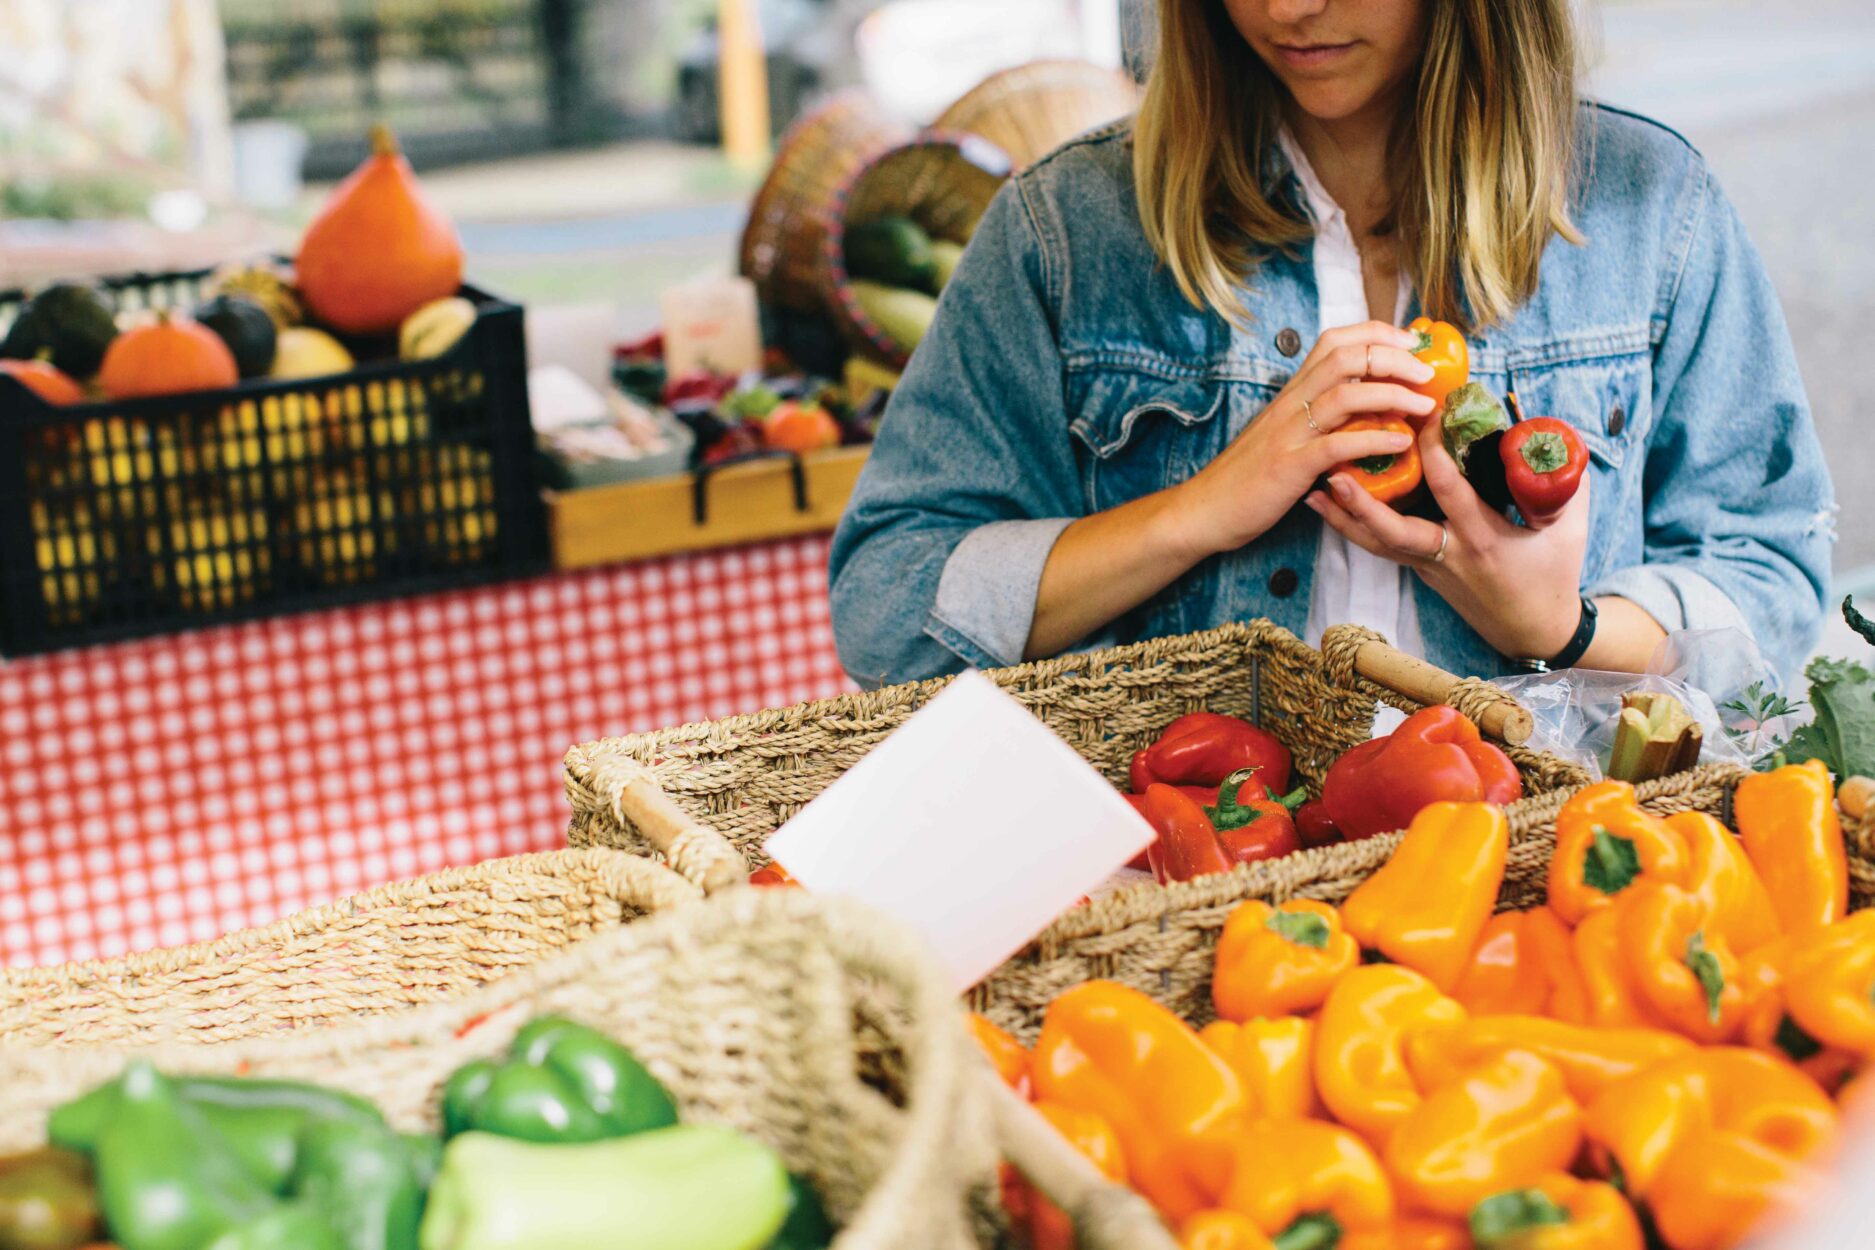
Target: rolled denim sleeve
x,y
1739,507
937,560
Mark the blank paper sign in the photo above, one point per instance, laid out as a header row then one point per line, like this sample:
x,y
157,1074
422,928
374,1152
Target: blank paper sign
x,y
973,823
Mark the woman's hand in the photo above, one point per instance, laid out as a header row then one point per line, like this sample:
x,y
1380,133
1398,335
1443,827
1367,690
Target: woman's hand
x,y
1288,446
1517,587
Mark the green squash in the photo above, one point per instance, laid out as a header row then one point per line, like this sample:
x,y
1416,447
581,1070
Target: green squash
x,y
892,251
69,323
246,328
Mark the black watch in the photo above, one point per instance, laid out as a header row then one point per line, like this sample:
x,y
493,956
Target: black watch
x,y
1575,648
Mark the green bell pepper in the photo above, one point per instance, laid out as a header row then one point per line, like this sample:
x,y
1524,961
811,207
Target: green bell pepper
x,y
364,1180
289,1226
691,1187
46,1201
259,1119
807,1226
166,1179
561,1082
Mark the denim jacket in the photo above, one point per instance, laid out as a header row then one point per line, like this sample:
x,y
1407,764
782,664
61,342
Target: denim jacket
x,y
1065,374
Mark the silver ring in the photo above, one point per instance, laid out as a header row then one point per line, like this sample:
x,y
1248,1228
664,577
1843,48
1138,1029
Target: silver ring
x,y
1445,536
1308,414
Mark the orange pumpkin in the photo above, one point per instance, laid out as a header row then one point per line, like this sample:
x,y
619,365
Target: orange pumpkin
x,y
45,380
378,250
167,356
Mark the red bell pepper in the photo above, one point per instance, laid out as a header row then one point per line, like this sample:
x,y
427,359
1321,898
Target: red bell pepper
x,y
1204,796
1434,756
1543,462
1195,840
1315,826
1203,748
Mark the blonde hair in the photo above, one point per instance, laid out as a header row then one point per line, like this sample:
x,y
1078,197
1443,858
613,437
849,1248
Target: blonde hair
x,y
1479,161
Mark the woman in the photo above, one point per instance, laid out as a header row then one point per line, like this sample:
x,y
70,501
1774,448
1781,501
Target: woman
x,y
1112,430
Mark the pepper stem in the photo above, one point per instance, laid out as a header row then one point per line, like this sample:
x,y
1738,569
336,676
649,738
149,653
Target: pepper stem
x,y
1316,1231
1302,928
1503,1219
1610,864
1705,966
1544,452
1229,813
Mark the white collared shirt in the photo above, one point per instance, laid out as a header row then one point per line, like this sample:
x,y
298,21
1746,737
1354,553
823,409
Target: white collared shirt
x,y
1352,586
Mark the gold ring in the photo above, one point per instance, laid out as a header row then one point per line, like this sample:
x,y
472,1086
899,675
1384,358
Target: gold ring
x,y
1370,361
1308,414
1445,536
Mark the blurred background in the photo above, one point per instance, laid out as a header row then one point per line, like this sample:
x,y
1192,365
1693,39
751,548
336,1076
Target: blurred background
x,y
576,142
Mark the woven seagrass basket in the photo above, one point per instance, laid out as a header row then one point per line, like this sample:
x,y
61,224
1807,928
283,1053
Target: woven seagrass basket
x,y
942,181
813,1025
782,248
1030,110
710,794
392,947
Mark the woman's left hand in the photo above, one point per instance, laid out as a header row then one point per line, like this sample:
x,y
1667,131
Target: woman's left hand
x,y
1518,587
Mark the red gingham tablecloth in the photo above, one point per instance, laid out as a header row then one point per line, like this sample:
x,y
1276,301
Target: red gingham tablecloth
x,y
159,792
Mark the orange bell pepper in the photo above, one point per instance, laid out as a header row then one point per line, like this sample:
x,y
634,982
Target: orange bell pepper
x,y
1390,475
1716,1192
1610,1000
1285,1172
1276,961
1770,1027
1722,875
1829,985
1442,346
1411,1232
1009,1057
1049,1227
1171,1100
1524,961
1678,965
1589,1059
1425,907
1604,843
1361,1036
1558,1212
1788,821
1637,1125
1222,1230
1275,1061
1503,1125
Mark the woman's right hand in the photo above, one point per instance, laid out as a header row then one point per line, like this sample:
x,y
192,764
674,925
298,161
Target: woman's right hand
x,y
1286,448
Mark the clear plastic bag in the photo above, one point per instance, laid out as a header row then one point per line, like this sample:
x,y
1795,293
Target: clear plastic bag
x,y
1718,675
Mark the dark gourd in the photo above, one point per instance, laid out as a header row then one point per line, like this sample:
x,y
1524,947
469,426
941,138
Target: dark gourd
x,y
892,251
68,323
246,328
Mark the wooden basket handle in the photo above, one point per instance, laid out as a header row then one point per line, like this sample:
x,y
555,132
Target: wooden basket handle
x,y
1371,656
1106,1216
632,795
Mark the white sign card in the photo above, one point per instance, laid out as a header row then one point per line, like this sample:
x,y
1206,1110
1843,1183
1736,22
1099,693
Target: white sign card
x,y
973,823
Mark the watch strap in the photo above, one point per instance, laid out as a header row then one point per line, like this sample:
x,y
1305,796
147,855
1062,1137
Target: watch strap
x,y
1578,644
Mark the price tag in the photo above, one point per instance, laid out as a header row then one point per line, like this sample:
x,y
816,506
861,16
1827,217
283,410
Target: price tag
x,y
711,324
973,823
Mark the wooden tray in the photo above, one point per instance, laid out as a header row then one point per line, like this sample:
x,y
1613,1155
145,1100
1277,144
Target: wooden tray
x,y
738,503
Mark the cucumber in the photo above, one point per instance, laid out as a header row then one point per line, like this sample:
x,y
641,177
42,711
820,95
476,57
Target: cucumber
x,y
892,250
902,314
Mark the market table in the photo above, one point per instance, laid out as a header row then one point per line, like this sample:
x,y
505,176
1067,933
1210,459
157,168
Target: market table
x,y
167,790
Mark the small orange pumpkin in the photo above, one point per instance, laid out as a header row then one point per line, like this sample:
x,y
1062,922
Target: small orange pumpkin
x,y
378,250
167,356
45,380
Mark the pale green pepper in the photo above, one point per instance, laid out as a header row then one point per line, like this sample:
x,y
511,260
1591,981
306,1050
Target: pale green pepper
x,y
689,1187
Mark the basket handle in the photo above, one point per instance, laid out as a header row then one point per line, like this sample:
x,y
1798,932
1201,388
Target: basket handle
x,y
1372,657
1106,1216
699,853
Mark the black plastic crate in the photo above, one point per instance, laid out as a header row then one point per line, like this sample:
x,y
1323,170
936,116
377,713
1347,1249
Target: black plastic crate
x,y
120,519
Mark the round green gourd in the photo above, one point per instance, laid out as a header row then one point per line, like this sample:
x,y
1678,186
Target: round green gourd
x,y
68,321
246,328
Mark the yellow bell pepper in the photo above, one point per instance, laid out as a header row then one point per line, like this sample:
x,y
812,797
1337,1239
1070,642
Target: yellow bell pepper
x,y
1505,1124
1361,1073
1605,842
1679,966
1524,964
1722,875
1609,997
1769,1025
1637,1125
1829,984
1589,1059
1221,1230
1425,907
1274,1059
1285,1172
1788,821
1558,1212
1171,1100
1277,961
